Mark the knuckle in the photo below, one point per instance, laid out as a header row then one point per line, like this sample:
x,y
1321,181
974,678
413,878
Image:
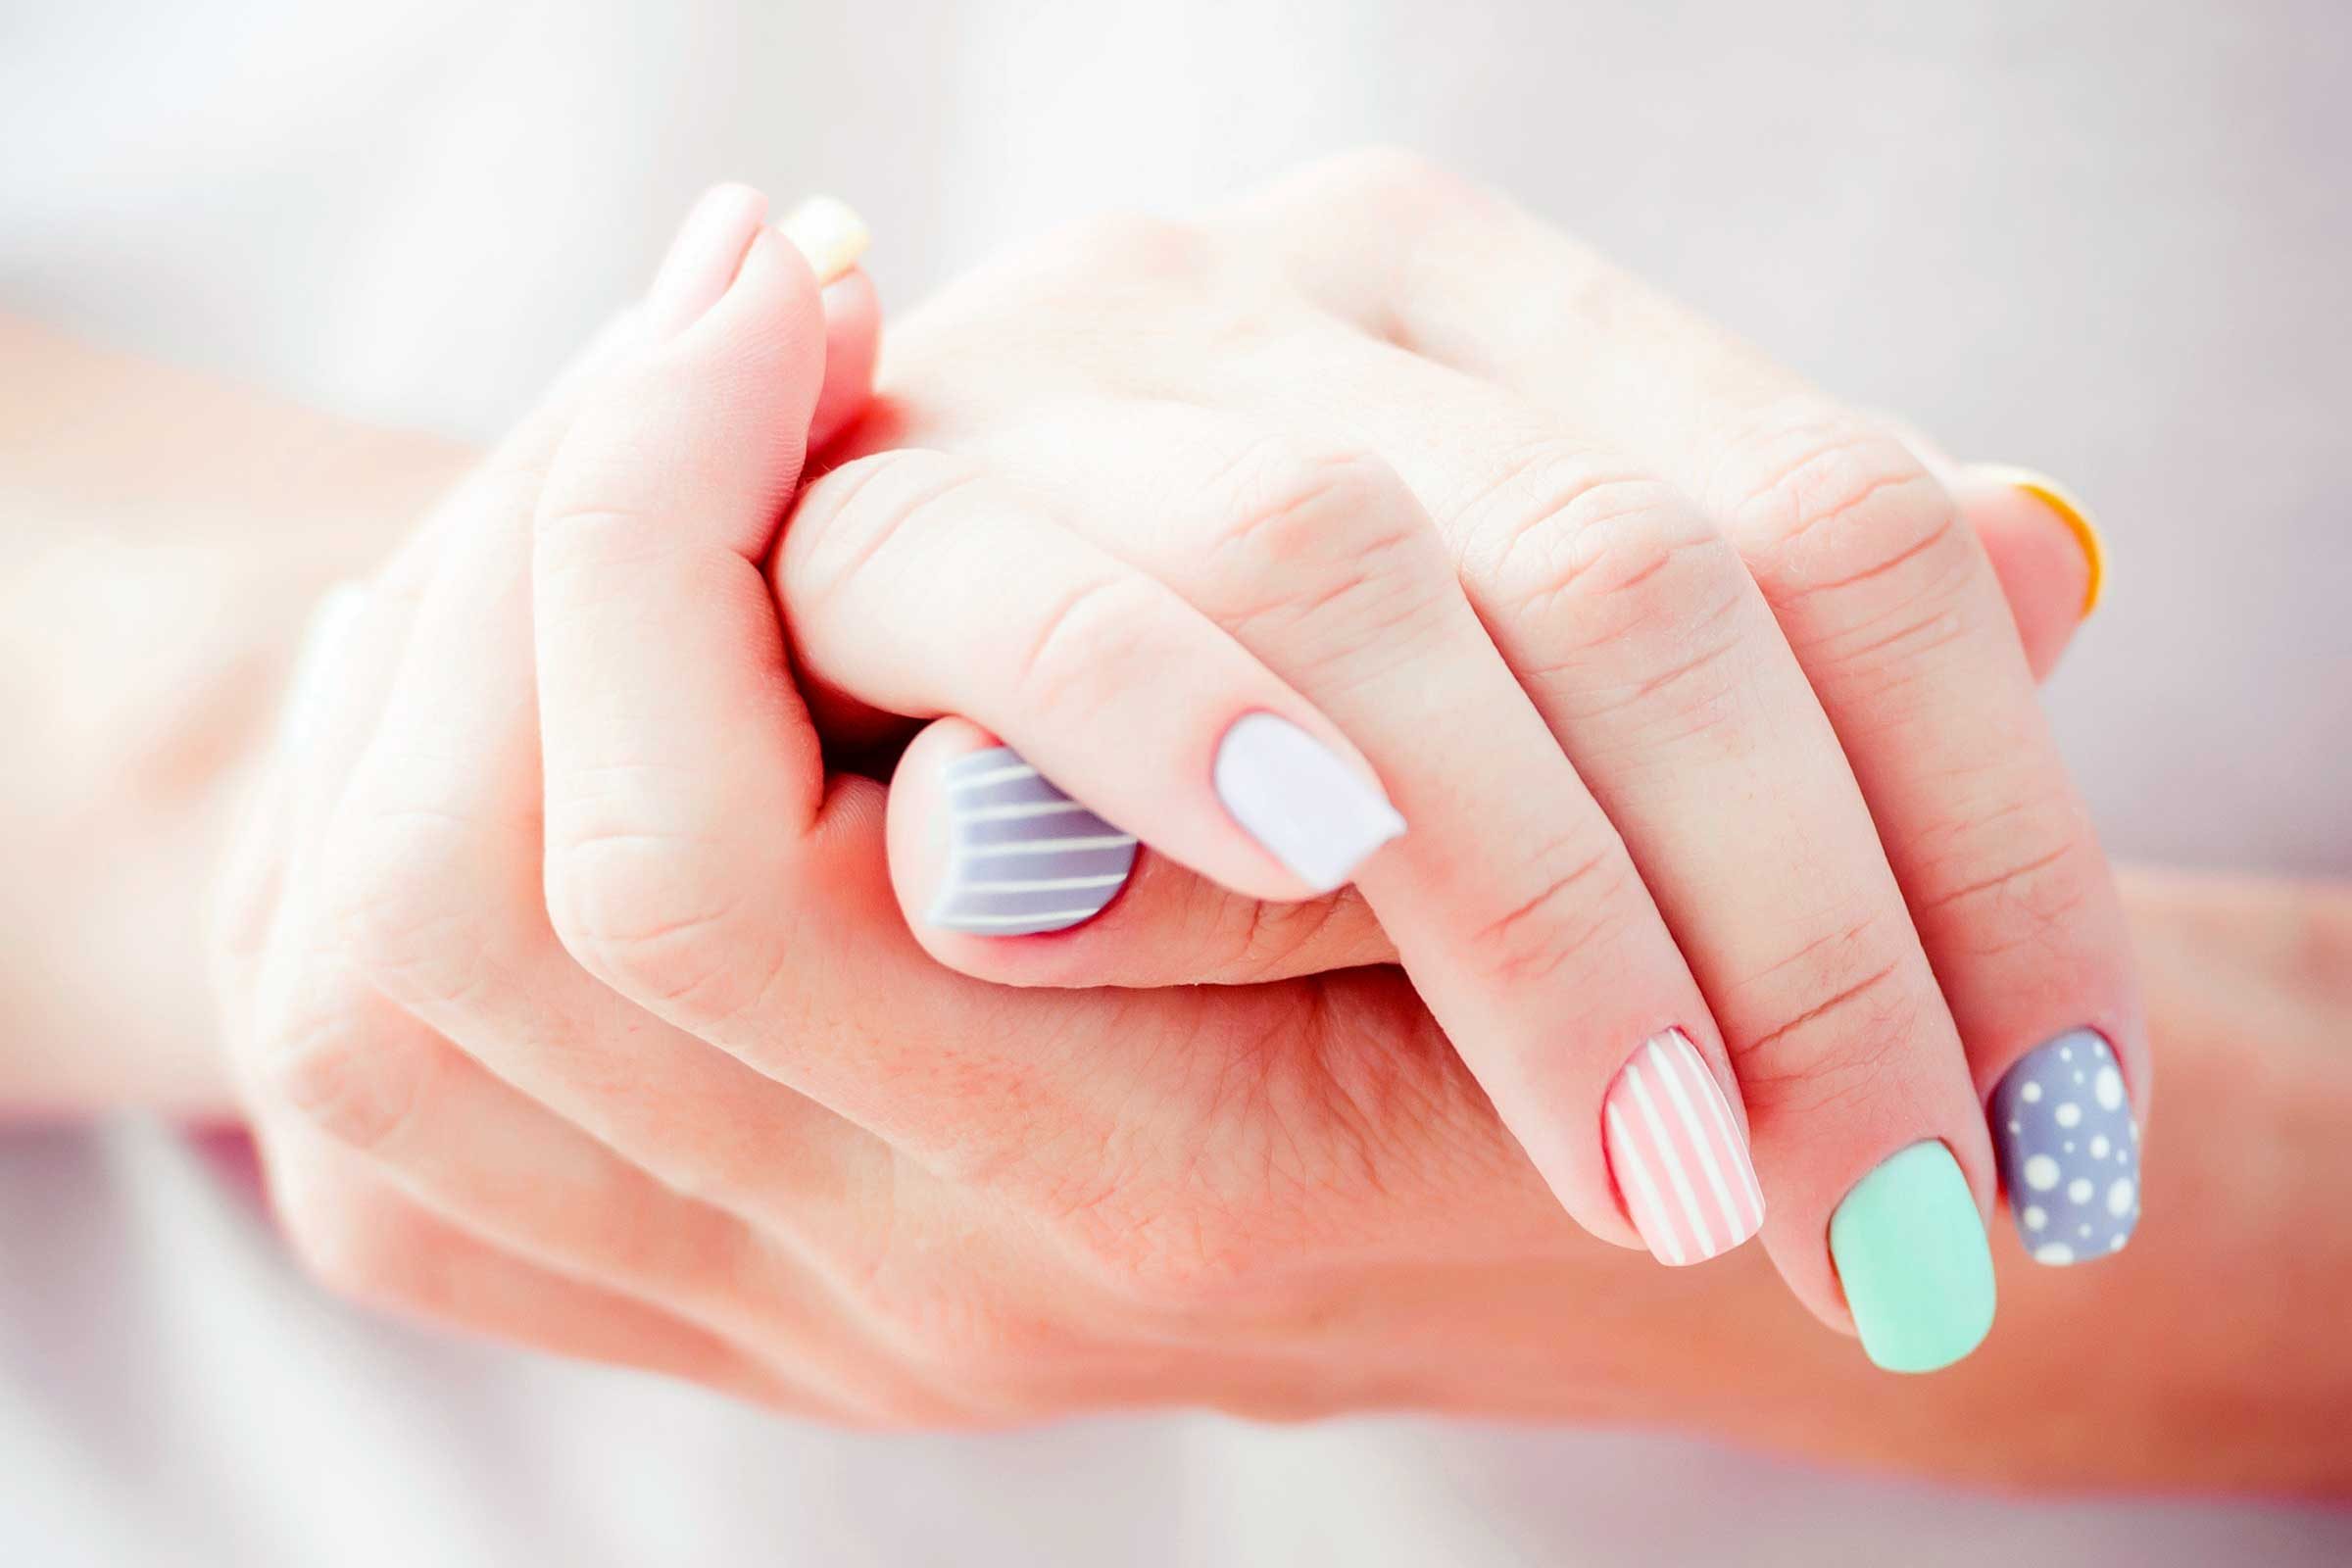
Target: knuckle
x,y
851,516
1615,593
1306,532
1290,501
351,1081
1842,519
656,916
1093,644
1573,551
1574,894
403,889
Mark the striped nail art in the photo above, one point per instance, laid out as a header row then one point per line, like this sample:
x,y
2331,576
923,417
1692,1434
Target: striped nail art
x,y
1678,1156
1022,857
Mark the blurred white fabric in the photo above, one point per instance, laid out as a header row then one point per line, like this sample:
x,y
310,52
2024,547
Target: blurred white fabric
x,y
2106,239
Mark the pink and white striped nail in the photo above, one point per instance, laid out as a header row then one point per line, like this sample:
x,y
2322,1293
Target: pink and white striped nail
x,y
1675,1151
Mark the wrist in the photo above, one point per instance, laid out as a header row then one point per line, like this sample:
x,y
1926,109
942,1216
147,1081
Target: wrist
x,y
152,601
2210,1353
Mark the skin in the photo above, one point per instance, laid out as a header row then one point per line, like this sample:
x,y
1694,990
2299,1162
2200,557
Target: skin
x,y
581,923
1758,755
1288,1203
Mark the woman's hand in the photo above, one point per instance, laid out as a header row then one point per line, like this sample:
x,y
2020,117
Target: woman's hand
x,y
570,999
899,1195
1722,769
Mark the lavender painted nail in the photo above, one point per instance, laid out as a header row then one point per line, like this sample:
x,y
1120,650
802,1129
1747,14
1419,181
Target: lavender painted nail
x,y
1022,857
2069,1149
1309,810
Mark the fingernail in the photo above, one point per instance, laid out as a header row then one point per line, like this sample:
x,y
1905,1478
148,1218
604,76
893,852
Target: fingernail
x,y
1911,1253
2071,511
1311,810
2068,1147
829,232
1675,1149
1022,857
702,260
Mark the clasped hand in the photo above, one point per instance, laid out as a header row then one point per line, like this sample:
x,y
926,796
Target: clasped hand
x,y
1407,744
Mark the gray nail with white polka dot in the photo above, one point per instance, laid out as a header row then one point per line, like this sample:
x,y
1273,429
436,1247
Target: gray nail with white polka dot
x,y
2069,1149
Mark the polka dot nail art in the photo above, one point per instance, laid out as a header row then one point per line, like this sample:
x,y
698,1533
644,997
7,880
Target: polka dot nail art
x,y
2069,1149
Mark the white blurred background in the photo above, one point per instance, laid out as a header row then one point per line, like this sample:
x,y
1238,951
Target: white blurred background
x,y
2107,239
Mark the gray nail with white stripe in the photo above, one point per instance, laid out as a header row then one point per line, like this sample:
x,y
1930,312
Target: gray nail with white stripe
x,y
1022,857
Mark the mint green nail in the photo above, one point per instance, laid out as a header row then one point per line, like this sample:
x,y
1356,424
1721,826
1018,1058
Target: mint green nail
x,y
1910,1250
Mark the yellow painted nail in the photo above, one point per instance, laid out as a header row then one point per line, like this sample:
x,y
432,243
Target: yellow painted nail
x,y
2071,510
829,232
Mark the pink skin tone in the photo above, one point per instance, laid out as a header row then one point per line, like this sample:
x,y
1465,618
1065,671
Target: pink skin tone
x,y
1370,1216
559,883
1169,926
1757,750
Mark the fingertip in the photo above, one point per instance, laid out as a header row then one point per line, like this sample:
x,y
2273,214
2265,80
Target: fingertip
x,y
829,232
777,296
2068,507
754,362
852,345
2053,577
703,258
915,828
2047,574
986,849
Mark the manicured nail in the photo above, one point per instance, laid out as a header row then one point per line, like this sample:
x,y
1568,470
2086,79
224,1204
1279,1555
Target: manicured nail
x,y
2071,511
1022,857
2070,1150
702,260
1911,1253
829,232
1676,1153
1311,810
